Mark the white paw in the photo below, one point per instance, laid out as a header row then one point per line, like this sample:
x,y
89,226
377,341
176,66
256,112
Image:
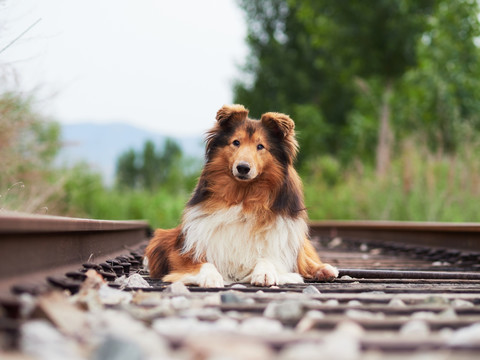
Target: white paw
x,y
267,279
290,278
326,273
209,277
264,274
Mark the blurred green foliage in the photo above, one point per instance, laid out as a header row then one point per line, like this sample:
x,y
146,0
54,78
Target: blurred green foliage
x,y
420,186
86,196
337,59
28,145
153,168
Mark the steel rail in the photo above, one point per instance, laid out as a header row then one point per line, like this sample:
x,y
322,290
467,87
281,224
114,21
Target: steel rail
x,y
392,274
35,246
460,236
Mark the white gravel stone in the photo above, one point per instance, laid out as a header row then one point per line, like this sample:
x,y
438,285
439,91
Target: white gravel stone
x,y
180,302
462,303
446,333
43,341
395,302
332,302
28,304
232,297
135,281
311,290
469,335
415,327
448,314
440,263
226,324
260,326
178,288
213,299
284,310
309,320
111,296
335,242
350,328
337,345
424,315
354,303
238,286
119,324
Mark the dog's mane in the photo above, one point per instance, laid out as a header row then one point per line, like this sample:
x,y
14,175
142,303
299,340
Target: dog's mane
x,y
286,191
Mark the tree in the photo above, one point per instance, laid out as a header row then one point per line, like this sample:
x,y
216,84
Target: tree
x,y
151,168
347,70
127,170
441,95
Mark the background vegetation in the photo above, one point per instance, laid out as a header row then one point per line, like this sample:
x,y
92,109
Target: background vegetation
x,y
385,95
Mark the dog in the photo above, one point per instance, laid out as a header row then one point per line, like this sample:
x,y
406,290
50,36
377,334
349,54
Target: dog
x,y
246,220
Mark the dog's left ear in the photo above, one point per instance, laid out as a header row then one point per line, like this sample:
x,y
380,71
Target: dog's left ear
x,y
279,123
283,127
229,114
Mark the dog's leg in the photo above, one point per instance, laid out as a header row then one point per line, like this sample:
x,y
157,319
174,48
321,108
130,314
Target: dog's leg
x,y
311,267
166,261
159,251
203,275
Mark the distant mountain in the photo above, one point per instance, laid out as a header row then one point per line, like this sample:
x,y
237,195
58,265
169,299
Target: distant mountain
x,y
100,145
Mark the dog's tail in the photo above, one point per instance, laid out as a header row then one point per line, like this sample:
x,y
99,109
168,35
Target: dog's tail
x,y
160,249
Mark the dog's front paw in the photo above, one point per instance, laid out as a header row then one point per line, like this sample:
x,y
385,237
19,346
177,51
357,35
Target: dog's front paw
x,y
264,274
326,272
264,279
209,277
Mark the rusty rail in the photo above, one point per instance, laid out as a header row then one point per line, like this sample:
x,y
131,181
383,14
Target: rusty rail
x,y
461,236
35,246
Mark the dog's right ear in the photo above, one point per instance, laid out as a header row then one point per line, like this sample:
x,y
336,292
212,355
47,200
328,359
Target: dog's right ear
x,y
229,114
227,117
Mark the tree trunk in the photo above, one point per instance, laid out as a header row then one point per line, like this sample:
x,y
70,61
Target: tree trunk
x,y
385,134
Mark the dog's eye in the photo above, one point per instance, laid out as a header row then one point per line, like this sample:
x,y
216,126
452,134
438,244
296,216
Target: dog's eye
x,y
236,143
260,147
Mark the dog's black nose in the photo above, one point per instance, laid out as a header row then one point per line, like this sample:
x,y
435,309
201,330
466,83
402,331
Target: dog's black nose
x,y
243,168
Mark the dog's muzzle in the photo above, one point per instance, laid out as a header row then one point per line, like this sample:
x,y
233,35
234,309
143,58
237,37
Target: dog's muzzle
x,y
243,170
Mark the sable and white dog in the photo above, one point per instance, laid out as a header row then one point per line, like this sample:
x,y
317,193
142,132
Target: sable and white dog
x,y
246,220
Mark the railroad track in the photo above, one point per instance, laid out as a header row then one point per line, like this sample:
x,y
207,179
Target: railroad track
x,y
405,289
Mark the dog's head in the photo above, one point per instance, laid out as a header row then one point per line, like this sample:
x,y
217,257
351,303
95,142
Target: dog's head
x,y
249,148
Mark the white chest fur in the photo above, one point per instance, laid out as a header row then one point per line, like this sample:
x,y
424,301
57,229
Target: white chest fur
x,y
228,239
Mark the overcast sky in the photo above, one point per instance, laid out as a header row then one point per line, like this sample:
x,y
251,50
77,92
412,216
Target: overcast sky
x,y
161,65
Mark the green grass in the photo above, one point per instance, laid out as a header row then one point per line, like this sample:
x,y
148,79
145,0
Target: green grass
x,y
85,196
161,208
420,186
